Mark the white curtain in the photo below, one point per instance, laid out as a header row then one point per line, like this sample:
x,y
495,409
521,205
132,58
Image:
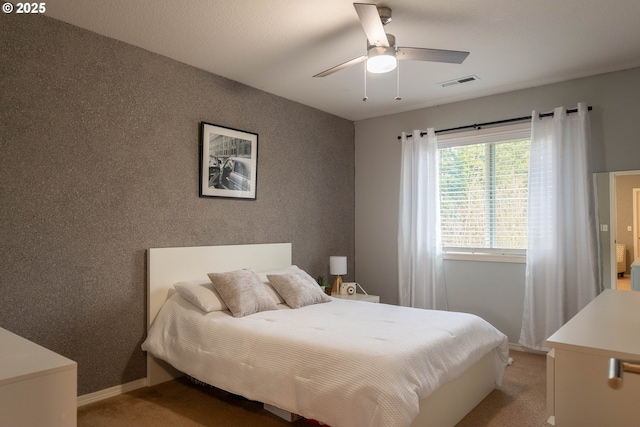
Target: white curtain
x,y
420,264
562,271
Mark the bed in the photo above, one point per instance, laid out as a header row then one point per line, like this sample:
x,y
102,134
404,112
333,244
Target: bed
x,y
344,363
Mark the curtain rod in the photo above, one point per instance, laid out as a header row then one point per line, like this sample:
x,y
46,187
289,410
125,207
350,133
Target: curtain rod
x,y
497,122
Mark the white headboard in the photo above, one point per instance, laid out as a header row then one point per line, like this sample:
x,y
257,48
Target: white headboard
x,y
166,266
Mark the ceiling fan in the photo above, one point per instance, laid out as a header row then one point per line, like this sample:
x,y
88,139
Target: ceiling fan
x,y
382,53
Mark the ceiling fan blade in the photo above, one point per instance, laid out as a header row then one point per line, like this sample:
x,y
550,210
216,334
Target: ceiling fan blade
x,y
433,55
341,66
370,20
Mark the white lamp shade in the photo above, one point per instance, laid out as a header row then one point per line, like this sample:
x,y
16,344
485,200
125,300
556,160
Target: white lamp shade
x,y
381,60
338,265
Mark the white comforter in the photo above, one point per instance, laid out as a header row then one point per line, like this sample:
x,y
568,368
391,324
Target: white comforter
x,y
345,363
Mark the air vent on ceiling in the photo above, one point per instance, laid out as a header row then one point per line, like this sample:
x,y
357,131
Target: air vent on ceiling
x,y
459,81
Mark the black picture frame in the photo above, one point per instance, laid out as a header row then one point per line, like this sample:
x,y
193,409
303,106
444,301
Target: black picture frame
x,y
228,162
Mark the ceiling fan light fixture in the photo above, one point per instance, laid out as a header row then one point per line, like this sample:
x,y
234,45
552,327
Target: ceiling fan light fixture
x,y
381,59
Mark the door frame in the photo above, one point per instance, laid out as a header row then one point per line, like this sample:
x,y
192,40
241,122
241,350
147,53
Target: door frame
x,y
636,198
613,224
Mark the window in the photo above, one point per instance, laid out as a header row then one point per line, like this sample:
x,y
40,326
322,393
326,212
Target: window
x,y
483,189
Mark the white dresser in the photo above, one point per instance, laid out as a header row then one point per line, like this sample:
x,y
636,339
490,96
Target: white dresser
x,y
578,394
37,386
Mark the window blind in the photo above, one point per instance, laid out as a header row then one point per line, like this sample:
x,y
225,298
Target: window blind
x,y
483,191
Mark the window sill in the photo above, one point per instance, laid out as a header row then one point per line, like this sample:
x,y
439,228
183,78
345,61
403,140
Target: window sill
x,y
485,257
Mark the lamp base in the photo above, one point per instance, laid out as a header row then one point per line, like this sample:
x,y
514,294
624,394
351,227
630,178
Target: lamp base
x,y
336,285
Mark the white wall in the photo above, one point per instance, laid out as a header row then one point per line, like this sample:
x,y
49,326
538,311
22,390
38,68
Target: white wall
x,y
494,291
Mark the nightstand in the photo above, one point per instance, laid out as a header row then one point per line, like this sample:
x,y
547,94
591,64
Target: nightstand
x,y
359,297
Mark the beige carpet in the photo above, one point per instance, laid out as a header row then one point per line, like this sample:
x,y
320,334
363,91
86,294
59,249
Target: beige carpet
x,y
519,402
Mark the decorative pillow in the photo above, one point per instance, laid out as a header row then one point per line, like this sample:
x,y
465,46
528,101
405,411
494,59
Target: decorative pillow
x,y
242,291
270,289
298,289
202,295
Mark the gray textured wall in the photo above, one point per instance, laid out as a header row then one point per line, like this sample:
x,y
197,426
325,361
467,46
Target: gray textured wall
x,y
99,161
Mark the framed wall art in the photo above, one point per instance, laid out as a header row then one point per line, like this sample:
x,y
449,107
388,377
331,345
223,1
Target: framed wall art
x,y
228,162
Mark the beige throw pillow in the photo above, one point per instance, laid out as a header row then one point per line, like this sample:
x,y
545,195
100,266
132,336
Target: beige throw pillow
x,y
270,289
242,291
298,289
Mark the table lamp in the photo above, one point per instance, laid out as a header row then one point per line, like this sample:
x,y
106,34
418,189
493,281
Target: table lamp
x,y
337,267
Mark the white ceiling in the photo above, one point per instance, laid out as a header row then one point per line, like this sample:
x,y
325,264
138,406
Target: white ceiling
x,y
278,45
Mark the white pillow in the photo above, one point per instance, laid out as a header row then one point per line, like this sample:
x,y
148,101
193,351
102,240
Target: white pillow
x,y
201,294
269,287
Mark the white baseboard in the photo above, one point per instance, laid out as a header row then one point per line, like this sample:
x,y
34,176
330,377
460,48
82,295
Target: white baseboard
x,y
85,399
518,347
